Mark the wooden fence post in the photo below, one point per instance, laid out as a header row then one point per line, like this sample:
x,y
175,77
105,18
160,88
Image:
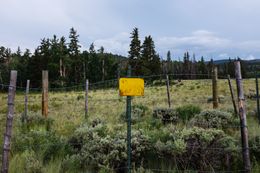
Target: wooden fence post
x,y
9,122
24,118
215,87
168,91
86,100
242,116
45,86
257,98
232,95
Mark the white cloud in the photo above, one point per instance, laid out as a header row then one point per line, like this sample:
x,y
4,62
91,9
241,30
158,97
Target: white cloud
x,y
119,44
249,57
200,38
223,56
201,42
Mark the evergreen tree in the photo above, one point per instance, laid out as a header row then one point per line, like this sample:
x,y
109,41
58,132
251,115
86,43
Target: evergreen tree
x,y
101,52
169,62
193,67
202,68
92,48
231,67
186,65
76,65
134,52
150,61
95,73
210,68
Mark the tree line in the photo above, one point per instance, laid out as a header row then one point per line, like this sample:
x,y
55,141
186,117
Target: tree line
x,y
69,65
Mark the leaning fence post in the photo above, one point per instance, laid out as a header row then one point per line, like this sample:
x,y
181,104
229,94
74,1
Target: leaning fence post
x,y
24,118
86,99
215,88
168,91
45,93
232,95
9,122
257,98
242,116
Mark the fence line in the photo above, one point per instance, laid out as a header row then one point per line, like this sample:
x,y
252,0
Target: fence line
x,y
116,80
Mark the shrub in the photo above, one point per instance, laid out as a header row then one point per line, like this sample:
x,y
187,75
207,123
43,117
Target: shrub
x,y
25,162
94,150
137,111
221,99
166,115
80,97
186,112
254,143
35,121
197,148
214,119
43,143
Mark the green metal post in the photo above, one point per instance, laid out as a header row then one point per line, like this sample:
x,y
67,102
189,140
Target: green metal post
x,y
257,98
128,115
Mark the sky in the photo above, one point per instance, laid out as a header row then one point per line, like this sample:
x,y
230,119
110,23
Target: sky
x,y
216,29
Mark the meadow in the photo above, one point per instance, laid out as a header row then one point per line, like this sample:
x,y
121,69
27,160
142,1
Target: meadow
x,y
67,141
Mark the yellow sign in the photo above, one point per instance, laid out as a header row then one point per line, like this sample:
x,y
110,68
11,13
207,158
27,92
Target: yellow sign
x,y
131,87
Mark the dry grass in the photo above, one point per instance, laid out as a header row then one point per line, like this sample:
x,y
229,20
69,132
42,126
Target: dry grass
x,y
67,108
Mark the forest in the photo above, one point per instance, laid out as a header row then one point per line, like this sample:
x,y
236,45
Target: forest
x,y
69,65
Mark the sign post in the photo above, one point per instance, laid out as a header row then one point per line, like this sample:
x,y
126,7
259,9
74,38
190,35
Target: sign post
x,y
130,87
128,117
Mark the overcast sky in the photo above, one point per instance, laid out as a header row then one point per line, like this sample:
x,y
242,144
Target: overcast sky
x,y
212,28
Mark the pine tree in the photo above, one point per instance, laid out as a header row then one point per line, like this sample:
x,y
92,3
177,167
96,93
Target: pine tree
x,y
169,62
193,67
186,65
202,69
74,51
134,52
92,48
101,52
150,61
95,74
210,68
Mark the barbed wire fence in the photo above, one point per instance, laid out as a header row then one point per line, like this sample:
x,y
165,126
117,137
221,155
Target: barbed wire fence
x,y
106,93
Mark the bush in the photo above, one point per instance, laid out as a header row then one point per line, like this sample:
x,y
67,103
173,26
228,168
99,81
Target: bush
x,y
35,121
137,112
221,99
183,113
254,143
197,148
186,112
46,144
215,119
92,149
25,162
166,115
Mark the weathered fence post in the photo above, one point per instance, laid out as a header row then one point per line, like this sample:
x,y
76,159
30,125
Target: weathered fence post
x,y
86,100
215,87
24,118
257,98
9,122
168,91
45,87
242,116
232,95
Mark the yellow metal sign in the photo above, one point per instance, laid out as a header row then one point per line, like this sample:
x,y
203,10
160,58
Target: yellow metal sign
x,y
131,87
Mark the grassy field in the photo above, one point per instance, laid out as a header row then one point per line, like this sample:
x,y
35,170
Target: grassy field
x,y
66,109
